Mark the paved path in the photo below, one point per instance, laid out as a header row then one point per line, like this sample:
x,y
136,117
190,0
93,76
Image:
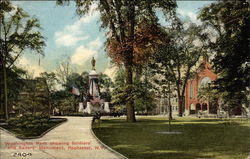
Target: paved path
x,y
76,129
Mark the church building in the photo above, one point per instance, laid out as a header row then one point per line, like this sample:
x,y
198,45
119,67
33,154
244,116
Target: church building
x,y
203,77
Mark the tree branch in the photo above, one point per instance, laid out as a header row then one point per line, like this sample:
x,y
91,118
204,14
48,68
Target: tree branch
x,y
20,52
111,22
120,22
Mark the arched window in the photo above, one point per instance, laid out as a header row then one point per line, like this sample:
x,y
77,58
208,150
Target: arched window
x,y
191,90
205,81
192,107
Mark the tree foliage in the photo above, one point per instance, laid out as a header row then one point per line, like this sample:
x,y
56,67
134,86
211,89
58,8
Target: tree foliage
x,y
15,84
64,102
175,60
229,23
51,80
78,81
63,70
19,32
105,84
33,97
147,37
142,94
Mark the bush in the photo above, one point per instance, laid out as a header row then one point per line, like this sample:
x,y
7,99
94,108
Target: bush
x,y
28,120
75,114
13,121
30,125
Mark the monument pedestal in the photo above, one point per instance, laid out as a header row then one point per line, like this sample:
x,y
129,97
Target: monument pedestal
x,y
87,109
80,109
106,107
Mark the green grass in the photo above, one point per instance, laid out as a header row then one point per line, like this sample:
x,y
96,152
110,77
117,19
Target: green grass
x,y
22,132
200,138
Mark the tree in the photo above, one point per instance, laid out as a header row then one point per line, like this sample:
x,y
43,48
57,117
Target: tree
x,y
144,90
142,93
65,102
51,80
165,88
118,94
176,59
34,97
78,81
208,94
63,70
18,33
15,83
144,97
229,23
105,84
122,18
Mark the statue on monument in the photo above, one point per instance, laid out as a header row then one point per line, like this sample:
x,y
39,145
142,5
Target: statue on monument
x,y
93,63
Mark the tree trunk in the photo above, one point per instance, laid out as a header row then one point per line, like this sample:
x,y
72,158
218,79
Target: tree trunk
x,y
130,102
129,59
5,92
2,114
180,102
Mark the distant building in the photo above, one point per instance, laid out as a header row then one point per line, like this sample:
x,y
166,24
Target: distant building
x,y
175,107
193,105
163,105
203,77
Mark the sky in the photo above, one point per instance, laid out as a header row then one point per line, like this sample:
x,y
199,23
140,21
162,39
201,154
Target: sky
x,y
78,38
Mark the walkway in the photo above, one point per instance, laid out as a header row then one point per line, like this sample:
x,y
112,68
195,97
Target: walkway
x,y
76,130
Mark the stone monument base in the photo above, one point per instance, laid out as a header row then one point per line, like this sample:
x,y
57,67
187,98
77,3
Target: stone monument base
x,y
91,109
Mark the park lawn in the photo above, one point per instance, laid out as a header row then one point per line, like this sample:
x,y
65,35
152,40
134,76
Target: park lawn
x,y
200,138
22,132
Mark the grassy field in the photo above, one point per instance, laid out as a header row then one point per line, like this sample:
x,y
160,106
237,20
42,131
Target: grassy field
x,y
200,138
23,132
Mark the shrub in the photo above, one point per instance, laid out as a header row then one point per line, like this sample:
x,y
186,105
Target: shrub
x,y
29,120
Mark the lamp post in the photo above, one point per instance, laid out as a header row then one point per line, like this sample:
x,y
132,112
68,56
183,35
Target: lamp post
x,y
170,107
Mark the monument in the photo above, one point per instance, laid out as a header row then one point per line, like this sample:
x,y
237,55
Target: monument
x,y
95,105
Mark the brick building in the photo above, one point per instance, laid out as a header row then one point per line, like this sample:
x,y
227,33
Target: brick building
x,y
203,77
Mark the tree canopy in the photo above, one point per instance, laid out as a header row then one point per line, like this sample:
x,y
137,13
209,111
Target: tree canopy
x,y
229,23
19,32
122,19
175,60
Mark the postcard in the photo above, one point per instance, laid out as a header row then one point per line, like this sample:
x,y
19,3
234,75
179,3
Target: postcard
x,y
124,79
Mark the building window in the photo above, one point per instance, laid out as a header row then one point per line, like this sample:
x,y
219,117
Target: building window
x,y
191,90
192,107
205,82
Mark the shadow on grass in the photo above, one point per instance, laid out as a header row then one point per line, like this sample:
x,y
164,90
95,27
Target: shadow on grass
x,y
200,139
177,155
